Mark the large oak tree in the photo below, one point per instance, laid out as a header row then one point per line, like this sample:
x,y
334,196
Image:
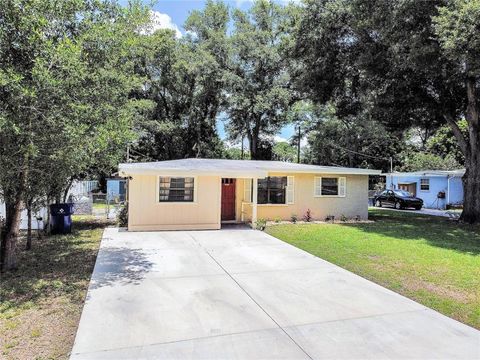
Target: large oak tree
x,y
260,89
404,62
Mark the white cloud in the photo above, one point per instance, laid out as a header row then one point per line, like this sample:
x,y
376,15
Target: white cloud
x,y
160,20
278,139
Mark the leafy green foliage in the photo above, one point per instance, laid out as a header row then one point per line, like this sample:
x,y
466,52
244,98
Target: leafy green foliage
x,y
403,64
185,81
458,28
122,216
235,153
443,142
353,141
418,161
283,151
66,72
259,83
65,90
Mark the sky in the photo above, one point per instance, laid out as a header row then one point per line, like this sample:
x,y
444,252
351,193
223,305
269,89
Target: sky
x,y
172,14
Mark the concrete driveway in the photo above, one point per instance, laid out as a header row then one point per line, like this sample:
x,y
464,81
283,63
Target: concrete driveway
x,y
242,294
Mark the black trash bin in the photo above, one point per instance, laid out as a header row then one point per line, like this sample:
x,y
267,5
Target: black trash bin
x,y
61,218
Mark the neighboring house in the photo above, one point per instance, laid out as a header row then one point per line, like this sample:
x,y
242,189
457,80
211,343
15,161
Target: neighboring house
x,y
116,189
82,188
36,224
437,188
203,193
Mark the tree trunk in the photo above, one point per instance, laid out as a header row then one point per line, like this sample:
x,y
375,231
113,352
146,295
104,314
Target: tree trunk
x,y
29,228
471,179
46,224
253,147
253,136
12,228
199,139
471,193
67,189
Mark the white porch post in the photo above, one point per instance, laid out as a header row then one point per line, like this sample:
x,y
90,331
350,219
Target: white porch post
x,y
254,201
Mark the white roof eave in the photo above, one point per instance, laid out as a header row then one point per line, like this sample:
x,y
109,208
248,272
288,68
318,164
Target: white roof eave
x,y
429,174
254,173
193,172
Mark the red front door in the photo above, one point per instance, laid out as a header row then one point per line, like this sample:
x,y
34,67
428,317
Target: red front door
x,y
228,199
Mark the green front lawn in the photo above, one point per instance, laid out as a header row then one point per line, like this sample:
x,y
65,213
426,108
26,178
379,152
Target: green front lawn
x,y
429,259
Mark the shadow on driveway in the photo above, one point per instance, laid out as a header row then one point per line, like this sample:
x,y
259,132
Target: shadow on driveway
x,y
119,266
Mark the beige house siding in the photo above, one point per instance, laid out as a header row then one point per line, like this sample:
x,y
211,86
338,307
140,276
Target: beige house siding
x,y
239,199
146,213
355,202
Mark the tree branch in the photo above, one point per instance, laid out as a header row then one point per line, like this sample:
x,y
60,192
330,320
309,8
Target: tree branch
x,y
462,142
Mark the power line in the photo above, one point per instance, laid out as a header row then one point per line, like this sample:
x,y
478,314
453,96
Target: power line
x,y
359,153
139,153
365,155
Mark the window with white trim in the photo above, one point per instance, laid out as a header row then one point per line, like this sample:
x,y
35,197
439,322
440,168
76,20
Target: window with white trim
x,y
330,186
425,184
176,189
272,190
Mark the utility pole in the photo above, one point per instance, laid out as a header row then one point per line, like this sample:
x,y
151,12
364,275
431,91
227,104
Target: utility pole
x,y
391,164
128,153
298,144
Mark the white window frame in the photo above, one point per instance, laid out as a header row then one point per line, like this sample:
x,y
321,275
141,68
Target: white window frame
x,y
290,191
286,193
247,191
195,192
428,183
317,187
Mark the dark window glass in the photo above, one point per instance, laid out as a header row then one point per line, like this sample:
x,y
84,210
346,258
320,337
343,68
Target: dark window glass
x,y
425,184
176,189
329,186
272,190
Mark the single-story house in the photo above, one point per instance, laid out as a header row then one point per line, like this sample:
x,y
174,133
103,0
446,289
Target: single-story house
x,y
204,193
116,189
437,188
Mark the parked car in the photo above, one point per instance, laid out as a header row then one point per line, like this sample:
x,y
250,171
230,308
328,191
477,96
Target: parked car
x,y
399,199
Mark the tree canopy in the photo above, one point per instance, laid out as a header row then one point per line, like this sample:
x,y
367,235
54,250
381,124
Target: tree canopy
x,y
259,83
66,71
404,63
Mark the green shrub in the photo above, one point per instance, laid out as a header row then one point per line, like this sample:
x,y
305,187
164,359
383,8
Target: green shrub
x,y
260,224
294,218
343,218
122,216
